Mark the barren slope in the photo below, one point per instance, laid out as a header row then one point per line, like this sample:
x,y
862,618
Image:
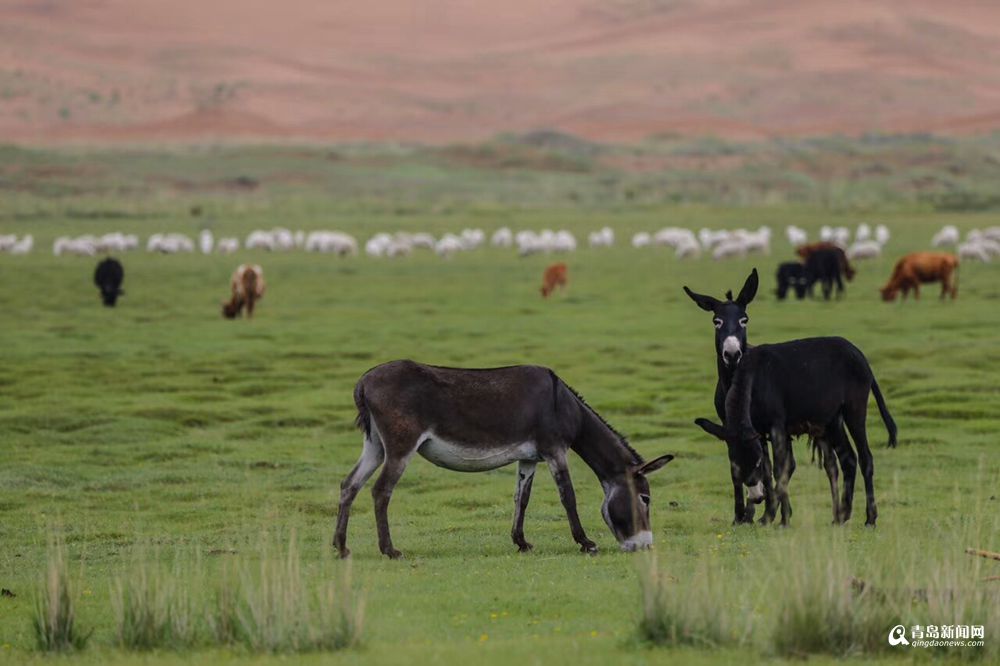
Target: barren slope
x,y
444,70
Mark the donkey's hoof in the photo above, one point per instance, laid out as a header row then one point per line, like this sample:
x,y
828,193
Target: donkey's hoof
x,y
392,553
524,547
588,547
344,552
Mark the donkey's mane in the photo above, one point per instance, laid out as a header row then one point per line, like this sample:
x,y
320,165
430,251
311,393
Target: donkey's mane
x,y
621,438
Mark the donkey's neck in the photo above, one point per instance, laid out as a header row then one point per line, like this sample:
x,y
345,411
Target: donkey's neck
x,y
604,450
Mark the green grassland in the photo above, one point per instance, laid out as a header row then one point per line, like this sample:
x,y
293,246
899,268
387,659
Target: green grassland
x,y
159,427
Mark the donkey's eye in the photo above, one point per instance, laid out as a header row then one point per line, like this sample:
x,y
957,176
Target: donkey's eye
x,y
743,321
645,499
717,322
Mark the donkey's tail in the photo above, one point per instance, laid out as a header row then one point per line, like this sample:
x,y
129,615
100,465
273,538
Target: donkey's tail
x,y
363,421
890,424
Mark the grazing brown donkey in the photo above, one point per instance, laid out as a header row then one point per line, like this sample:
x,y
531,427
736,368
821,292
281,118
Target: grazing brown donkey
x,y
919,267
476,420
248,287
555,276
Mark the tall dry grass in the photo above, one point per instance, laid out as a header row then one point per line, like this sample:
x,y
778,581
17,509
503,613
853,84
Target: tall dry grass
x,y
54,615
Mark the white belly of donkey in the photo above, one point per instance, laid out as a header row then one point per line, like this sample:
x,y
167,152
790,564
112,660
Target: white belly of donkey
x,y
462,457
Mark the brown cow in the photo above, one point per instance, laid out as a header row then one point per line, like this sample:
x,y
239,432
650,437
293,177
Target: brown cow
x,y
805,251
555,276
919,267
248,287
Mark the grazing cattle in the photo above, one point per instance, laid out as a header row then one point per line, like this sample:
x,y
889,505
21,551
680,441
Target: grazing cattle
x,y
791,275
108,277
923,267
805,251
248,286
476,420
825,266
554,276
811,386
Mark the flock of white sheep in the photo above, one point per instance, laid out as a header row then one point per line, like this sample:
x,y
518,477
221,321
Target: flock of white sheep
x,y
865,242
979,245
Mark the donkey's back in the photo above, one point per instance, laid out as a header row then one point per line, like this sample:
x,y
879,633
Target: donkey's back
x,y
490,405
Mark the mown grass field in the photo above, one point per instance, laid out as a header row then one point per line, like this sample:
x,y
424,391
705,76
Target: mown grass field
x,y
159,427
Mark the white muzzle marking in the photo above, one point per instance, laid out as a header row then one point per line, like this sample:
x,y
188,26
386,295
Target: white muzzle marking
x,y
639,541
731,346
756,493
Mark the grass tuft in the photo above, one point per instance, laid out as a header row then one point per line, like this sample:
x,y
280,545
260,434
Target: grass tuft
x,y
54,619
153,609
278,607
696,612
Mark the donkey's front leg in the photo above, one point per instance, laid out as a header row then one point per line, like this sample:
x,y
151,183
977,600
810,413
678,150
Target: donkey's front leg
x,y
739,503
560,472
525,475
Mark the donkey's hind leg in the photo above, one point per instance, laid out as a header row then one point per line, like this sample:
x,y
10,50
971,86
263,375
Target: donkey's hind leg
x,y
372,456
525,476
837,438
822,446
400,441
855,416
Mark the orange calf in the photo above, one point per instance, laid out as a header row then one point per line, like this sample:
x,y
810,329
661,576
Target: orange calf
x,y
555,276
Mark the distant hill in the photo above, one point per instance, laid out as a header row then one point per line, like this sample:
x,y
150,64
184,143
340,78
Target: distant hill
x,y
441,71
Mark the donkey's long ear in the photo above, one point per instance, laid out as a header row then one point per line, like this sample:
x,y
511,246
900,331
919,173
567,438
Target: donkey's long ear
x,y
654,464
713,429
749,290
704,302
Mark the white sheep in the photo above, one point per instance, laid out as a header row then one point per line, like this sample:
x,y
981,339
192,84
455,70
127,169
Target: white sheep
x,y
947,236
973,251
881,234
865,249
448,245
502,237
23,246
206,241
641,239
227,245
603,238
863,233
796,236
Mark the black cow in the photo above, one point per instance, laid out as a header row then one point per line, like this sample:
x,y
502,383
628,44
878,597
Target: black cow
x,y
792,275
827,267
108,278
